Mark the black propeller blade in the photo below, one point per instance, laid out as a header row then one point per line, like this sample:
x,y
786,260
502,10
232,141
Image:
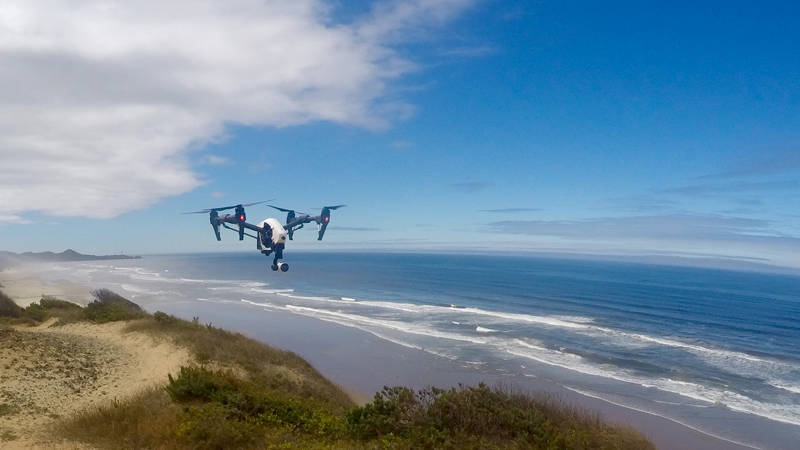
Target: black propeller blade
x,y
284,209
334,207
223,208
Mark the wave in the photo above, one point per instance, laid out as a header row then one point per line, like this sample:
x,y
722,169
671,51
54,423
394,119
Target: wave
x,y
787,413
600,397
794,389
481,329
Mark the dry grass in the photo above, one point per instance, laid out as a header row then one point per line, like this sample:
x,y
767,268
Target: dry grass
x,y
275,369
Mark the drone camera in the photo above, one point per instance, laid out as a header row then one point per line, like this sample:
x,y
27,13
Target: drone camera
x,y
280,266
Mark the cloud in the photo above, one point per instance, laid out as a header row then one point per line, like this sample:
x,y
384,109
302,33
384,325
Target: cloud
x,y
104,101
508,210
12,219
774,162
738,187
214,160
217,194
674,226
401,144
734,237
354,228
471,186
476,51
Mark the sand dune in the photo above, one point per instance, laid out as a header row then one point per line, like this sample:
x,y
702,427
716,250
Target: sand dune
x,y
47,372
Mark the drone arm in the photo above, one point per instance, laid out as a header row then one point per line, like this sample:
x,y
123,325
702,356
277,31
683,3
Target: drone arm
x,y
237,230
249,226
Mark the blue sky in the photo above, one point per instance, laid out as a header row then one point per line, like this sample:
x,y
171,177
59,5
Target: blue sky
x,y
623,128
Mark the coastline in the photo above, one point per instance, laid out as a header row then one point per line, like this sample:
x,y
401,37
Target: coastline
x,y
364,363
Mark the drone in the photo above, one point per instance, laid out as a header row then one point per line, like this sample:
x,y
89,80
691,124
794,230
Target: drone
x,y
270,234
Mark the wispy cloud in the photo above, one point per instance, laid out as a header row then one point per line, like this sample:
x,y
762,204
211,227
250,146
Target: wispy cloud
x,y
475,51
217,194
737,187
214,160
471,186
108,101
354,228
775,162
692,234
12,219
509,210
674,226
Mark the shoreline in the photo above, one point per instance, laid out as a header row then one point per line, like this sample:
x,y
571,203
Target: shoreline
x,y
362,362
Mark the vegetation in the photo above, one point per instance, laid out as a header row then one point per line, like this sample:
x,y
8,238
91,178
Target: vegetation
x,y
106,307
244,394
8,308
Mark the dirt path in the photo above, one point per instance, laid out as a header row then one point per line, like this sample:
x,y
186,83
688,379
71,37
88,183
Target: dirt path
x,y
47,372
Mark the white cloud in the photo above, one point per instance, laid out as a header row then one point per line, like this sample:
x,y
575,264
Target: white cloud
x,y
103,100
215,160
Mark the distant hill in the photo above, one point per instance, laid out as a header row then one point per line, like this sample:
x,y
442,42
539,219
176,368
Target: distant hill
x,y
66,255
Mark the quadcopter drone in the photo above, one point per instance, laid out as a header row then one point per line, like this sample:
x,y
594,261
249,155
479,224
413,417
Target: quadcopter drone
x,y
270,235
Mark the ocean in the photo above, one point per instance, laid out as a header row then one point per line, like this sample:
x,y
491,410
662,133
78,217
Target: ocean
x,y
716,350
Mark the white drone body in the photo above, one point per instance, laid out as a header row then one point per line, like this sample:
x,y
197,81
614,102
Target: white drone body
x,y
279,234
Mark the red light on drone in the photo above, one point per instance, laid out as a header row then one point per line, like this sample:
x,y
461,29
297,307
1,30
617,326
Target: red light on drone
x,y
241,218
327,219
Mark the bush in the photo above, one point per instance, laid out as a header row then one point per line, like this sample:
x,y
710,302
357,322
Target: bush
x,y
35,312
480,417
109,306
250,402
48,302
8,308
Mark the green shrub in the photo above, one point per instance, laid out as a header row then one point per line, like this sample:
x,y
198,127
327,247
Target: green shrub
x,y
49,302
165,318
35,312
481,417
109,306
249,402
8,308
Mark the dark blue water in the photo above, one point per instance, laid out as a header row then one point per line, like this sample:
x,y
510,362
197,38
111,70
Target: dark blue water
x,y
670,340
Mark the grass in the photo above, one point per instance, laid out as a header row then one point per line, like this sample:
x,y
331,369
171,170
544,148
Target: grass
x,y
274,369
244,394
7,409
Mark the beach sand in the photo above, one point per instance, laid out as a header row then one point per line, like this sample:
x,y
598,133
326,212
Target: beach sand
x,y
48,372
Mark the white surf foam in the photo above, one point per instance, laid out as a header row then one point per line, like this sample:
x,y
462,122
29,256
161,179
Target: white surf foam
x,y
699,430
481,329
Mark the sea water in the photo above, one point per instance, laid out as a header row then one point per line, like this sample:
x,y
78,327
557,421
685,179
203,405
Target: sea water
x,y
716,350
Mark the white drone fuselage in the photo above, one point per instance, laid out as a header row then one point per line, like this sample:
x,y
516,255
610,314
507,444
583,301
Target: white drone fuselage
x,y
279,234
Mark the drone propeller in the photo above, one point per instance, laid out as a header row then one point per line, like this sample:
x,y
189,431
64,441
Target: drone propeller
x,y
286,210
223,208
334,207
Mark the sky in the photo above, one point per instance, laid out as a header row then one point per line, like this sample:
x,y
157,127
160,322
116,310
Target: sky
x,y
602,128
